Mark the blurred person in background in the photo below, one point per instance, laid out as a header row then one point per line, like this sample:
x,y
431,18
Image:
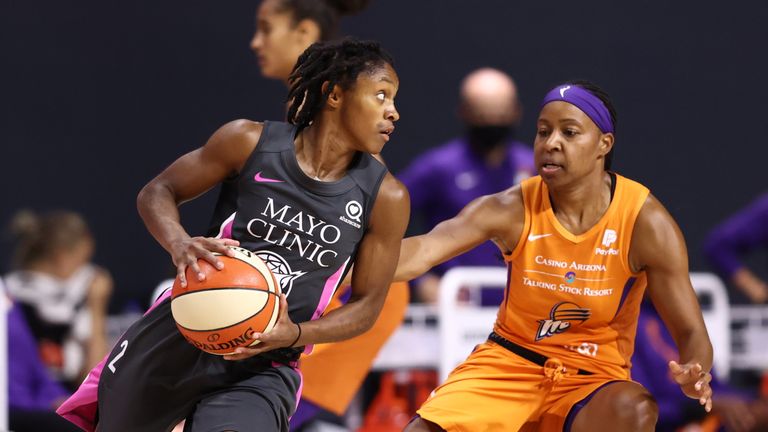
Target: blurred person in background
x,y
738,235
62,294
33,395
733,410
334,372
486,159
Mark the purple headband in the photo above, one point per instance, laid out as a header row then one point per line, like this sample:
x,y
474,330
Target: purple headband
x,y
582,99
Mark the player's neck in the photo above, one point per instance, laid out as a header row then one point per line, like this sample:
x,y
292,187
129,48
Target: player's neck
x,y
580,205
322,152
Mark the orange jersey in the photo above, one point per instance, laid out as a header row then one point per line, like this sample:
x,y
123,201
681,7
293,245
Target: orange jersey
x,y
575,297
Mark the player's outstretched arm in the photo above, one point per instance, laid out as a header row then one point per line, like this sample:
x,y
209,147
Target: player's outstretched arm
x,y
499,217
658,247
188,177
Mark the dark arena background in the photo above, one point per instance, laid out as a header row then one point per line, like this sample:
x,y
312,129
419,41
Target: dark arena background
x,y
97,97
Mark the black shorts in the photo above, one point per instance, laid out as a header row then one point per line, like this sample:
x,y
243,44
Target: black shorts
x,y
154,378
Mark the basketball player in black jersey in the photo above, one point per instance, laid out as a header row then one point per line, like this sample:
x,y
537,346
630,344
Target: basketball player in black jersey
x,y
307,197
334,372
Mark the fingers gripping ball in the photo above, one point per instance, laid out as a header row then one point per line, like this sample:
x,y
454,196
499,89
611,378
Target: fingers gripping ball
x,y
223,311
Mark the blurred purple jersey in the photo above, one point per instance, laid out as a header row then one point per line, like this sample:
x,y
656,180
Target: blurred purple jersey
x,y
745,231
654,348
30,387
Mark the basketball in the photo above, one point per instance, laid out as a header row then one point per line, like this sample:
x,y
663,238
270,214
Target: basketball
x,y
223,311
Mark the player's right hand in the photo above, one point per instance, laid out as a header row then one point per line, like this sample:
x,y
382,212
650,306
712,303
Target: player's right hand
x,y
186,252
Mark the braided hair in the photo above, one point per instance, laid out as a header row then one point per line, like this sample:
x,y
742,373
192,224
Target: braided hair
x,y
603,96
336,63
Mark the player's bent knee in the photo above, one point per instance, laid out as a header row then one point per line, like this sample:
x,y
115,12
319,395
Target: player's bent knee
x,y
625,406
418,424
641,410
634,407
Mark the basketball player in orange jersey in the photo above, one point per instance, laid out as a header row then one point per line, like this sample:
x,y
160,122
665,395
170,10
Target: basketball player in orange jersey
x,y
334,372
581,243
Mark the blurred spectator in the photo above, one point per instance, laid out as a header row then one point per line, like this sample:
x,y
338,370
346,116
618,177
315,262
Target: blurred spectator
x,y
487,159
32,394
743,232
63,297
732,409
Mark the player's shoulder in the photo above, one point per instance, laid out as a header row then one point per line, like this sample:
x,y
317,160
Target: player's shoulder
x,y
393,191
242,129
653,212
235,140
630,183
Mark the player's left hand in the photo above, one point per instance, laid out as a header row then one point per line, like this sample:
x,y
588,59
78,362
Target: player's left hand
x,y
693,381
283,334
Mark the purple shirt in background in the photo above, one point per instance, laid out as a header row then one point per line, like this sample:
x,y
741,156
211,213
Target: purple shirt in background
x,y
654,348
445,179
30,387
742,232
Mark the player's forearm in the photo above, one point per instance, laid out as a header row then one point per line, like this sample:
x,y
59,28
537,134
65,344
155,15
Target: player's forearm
x,y
695,347
160,213
346,322
414,259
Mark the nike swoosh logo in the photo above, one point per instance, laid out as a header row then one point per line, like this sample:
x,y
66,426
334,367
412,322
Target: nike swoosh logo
x,y
261,179
532,237
563,90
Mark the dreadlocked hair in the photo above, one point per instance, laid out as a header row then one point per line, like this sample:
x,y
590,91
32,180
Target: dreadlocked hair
x,y
336,63
601,94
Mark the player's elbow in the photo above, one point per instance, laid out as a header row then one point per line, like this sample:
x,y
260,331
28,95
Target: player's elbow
x,y
144,198
150,193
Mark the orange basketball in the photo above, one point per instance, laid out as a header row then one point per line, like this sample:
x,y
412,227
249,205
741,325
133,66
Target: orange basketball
x,y
223,311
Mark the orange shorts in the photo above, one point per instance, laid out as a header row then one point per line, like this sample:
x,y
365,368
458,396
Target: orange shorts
x,y
496,390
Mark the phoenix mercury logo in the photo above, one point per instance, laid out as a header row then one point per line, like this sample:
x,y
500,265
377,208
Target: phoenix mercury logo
x,y
562,316
280,269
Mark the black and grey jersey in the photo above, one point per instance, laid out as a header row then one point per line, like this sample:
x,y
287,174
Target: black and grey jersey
x,y
307,231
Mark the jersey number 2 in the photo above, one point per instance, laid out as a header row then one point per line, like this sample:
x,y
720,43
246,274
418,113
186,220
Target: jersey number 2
x,y
119,355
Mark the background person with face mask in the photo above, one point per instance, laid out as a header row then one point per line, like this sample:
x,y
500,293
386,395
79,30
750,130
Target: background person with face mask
x,y
485,160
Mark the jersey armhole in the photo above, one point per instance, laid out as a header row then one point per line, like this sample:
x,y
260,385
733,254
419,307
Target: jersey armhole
x,y
235,177
633,214
526,226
